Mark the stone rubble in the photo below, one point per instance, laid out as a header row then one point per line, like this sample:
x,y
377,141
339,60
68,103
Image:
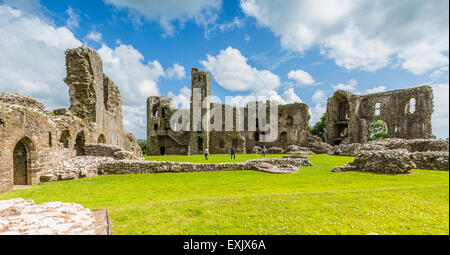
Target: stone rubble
x,y
24,217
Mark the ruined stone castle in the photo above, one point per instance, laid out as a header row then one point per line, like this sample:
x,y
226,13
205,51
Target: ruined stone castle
x,y
406,112
34,141
293,121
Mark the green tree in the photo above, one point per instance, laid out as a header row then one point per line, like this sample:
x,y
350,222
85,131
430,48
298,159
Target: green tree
x,y
378,130
143,145
319,128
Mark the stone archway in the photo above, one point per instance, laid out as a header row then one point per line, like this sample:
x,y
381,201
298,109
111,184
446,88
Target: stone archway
x,y
101,139
22,161
80,141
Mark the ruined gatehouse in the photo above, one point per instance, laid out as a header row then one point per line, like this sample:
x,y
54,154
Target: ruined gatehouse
x,y
34,141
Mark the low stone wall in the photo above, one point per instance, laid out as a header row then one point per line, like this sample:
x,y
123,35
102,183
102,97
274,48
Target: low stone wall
x,y
351,149
107,150
295,149
90,166
280,165
21,217
436,160
411,145
101,150
396,161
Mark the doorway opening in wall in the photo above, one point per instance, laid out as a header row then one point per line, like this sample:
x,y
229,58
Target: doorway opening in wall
x,y
234,143
343,109
162,150
257,136
200,144
80,141
283,137
22,161
378,130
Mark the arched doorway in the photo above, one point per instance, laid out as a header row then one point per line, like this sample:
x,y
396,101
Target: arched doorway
x,y
162,150
79,144
101,139
22,161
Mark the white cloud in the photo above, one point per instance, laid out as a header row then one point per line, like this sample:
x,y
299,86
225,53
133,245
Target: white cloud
x,y
366,35
167,12
301,77
136,80
176,71
94,36
440,117
290,97
231,71
375,90
439,72
183,99
351,86
319,108
74,19
32,56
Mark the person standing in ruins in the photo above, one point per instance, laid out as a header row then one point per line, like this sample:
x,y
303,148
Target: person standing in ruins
x,y
263,151
232,152
206,153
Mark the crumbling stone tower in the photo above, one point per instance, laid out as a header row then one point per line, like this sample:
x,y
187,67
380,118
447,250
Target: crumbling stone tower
x,y
200,89
406,112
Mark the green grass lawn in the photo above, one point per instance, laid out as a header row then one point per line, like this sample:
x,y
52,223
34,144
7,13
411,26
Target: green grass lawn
x,y
312,201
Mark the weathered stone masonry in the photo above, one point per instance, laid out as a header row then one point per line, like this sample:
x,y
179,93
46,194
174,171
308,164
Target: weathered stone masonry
x,y
293,122
34,141
407,113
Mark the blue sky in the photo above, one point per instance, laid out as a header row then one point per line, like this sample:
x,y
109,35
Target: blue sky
x,y
295,50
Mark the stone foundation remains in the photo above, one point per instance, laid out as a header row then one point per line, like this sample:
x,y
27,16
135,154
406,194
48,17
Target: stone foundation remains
x,y
20,217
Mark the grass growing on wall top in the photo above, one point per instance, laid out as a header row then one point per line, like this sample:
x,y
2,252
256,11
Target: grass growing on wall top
x,y
312,201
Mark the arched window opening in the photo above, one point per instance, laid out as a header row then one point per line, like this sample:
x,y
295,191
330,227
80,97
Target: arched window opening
x,y
155,127
101,139
412,105
377,109
65,138
290,120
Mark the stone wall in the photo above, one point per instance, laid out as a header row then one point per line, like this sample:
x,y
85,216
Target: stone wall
x,y
50,137
293,120
406,112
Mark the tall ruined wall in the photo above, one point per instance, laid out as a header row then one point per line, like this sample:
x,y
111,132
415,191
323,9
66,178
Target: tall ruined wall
x,y
201,83
34,141
293,119
407,114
